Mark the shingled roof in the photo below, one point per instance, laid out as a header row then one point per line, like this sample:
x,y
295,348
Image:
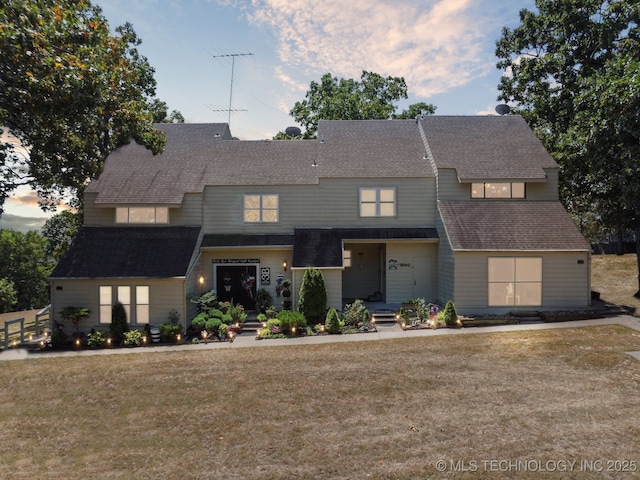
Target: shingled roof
x,y
510,226
483,148
139,252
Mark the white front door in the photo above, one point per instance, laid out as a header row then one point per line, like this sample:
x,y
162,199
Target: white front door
x,y
423,278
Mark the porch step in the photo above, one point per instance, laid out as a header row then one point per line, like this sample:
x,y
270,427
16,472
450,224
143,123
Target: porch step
x,y
251,326
383,316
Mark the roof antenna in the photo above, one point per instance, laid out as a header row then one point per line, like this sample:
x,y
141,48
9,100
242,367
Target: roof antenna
x,y
233,64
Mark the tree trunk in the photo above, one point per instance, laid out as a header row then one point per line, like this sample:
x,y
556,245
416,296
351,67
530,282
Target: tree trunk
x,y
637,294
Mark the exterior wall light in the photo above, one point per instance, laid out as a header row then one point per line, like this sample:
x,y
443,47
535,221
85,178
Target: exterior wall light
x,y
284,265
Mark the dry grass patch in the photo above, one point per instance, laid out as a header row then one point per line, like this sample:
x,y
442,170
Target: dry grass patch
x,y
616,278
384,409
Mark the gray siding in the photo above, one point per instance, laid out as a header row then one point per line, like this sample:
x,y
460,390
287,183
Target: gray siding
x,y
332,203
404,281
189,213
95,215
446,266
565,282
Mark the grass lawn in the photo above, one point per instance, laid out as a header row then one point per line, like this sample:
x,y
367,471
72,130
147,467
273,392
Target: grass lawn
x,y
381,409
616,278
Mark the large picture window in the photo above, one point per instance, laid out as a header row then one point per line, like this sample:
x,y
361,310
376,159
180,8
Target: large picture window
x,y
498,190
261,208
378,202
515,281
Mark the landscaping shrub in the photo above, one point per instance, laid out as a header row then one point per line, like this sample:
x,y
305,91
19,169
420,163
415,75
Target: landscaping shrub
x,y
132,338
213,325
206,301
313,296
59,339
333,323
198,323
118,325
96,339
290,320
450,315
356,313
223,331
263,300
286,294
169,332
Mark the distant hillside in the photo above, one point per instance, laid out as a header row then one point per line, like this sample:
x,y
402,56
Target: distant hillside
x,y
21,224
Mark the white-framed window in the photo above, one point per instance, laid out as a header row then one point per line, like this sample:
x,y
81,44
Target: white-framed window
x,y
261,208
124,297
346,258
377,202
142,304
498,190
105,303
515,281
142,215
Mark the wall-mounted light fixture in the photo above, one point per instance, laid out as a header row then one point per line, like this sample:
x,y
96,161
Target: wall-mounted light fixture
x,y
201,280
284,265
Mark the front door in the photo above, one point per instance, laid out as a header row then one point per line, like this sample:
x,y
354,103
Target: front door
x,y
237,284
422,275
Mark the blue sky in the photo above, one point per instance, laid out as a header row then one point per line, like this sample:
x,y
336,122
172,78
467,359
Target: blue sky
x,y
443,48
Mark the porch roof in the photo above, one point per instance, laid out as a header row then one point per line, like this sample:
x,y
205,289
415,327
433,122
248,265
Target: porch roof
x,y
220,240
136,252
322,247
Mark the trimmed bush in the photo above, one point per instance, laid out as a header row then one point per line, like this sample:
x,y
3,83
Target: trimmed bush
x,y
96,339
450,315
290,320
59,339
313,296
333,324
169,332
119,324
132,338
356,313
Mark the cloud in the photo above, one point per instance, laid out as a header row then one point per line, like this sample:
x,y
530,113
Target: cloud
x,y
436,45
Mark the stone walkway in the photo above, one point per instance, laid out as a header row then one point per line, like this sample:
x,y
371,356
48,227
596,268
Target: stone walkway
x,y
383,333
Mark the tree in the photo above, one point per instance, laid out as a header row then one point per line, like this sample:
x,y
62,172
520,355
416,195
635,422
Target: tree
x,y
159,110
8,296
574,71
59,231
371,98
24,264
71,91
313,296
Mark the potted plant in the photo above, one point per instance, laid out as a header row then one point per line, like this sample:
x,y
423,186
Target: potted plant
x,y
263,300
286,294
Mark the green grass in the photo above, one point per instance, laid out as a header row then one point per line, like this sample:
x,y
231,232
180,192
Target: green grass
x,y
380,409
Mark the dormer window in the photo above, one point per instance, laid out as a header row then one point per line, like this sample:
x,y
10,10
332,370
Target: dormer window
x,y
498,190
142,215
261,208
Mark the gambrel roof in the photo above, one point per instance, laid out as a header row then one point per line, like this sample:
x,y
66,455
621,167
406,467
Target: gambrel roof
x,y
510,226
486,148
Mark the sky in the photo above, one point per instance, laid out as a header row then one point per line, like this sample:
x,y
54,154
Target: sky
x,y
274,49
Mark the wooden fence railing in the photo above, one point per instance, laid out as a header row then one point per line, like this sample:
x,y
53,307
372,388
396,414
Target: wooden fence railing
x,y
19,331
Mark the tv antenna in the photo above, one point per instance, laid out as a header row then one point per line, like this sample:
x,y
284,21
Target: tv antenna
x,y
233,64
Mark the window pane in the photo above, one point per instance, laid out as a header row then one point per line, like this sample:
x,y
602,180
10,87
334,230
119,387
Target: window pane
x,y
517,190
387,194
270,216
346,258
529,294
270,201
500,294
162,215
122,215
124,295
142,295
105,295
142,314
387,209
498,190
252,215
501,269
142,215
368,210
252,201
528,269
105,313
477,190
367,194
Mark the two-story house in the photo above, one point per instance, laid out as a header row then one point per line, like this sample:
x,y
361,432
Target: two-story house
x,y
444,208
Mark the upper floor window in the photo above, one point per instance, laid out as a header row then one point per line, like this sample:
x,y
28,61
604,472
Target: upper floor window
x,y
142,215
497,190
378,202
261,208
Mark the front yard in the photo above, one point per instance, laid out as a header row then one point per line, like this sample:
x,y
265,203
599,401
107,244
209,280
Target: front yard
x,y
413,408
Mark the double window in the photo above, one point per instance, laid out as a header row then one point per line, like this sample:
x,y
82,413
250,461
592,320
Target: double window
x,y
143,215
378,202
497,190
261,208
515,281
